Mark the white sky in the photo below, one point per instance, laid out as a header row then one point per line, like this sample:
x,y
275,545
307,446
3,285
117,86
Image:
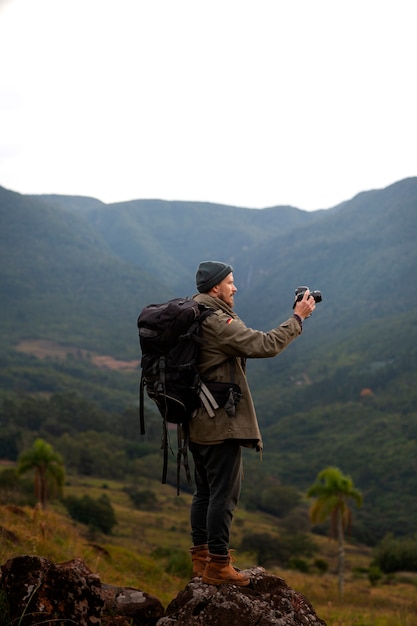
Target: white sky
x,y
250,103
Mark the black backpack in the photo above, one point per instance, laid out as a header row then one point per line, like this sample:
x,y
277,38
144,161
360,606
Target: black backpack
x,y
169,337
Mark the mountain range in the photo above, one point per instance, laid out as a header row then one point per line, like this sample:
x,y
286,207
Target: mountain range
x,y
76,272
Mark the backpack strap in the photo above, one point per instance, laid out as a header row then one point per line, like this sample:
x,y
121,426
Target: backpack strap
x,y
141,404
164,447
207,399
165,442
182,442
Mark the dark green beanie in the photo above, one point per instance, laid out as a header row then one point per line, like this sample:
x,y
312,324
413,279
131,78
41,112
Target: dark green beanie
x,y
211,273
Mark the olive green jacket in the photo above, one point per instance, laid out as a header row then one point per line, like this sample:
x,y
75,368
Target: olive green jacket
x,y
227,343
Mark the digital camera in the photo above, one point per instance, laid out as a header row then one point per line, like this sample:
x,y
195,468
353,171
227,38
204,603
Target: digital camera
x,y
300,291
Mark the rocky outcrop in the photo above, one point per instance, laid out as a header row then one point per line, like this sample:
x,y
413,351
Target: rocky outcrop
x,y
267,601
39,591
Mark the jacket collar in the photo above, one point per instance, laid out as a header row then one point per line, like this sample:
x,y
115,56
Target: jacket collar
x,y
214,303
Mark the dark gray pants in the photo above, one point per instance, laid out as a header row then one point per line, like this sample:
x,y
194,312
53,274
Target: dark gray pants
x,y
218,475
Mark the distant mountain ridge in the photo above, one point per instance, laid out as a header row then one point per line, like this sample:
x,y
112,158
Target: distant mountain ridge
x,y
174,236
83,264
80,267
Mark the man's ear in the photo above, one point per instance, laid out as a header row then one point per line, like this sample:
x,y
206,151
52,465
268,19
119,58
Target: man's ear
x,y
214,291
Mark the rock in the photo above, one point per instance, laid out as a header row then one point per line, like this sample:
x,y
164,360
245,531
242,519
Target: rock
x,y
130,603
43,592
267,601
40,592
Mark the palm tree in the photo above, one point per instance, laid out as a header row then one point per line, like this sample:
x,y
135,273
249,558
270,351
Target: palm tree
x,y
333,489
48,466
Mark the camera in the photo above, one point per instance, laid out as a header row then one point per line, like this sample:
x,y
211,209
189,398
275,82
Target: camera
x,y
300,291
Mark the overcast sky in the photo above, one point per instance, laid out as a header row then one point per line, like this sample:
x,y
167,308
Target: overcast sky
x,y
251,103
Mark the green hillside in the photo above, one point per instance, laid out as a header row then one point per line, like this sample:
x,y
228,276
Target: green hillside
x,y
168,239
75,272
60,280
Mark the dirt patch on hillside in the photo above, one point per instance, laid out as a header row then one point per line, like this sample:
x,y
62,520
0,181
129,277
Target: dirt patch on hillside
x,y
43,349
114,364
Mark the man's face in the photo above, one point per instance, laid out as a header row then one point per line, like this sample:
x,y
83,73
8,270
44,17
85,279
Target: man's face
x,y
226,290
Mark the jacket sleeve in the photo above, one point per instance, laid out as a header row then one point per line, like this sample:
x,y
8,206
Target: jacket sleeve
x,y
234,338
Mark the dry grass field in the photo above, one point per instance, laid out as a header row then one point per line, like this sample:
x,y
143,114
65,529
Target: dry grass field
x,y
136,554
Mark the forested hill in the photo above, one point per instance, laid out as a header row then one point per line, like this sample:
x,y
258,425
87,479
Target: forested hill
x,y
76,271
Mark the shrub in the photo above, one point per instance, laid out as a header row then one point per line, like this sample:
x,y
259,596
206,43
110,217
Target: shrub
x,y
321,565
97,514
272,498
16,490
144,499
280,549
296,521
374,575
395,555
177,562
299,564
279,500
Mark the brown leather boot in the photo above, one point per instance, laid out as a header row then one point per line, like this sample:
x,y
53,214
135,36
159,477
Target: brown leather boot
x,y
199,555
219,571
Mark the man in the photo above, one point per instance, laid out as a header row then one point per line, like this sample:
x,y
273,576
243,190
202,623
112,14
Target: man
x,y
217,434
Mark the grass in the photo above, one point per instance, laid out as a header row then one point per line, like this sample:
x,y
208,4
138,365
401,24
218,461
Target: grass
x,y
138,553
362,605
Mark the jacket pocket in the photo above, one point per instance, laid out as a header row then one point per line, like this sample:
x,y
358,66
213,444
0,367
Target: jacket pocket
x,y
227,395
